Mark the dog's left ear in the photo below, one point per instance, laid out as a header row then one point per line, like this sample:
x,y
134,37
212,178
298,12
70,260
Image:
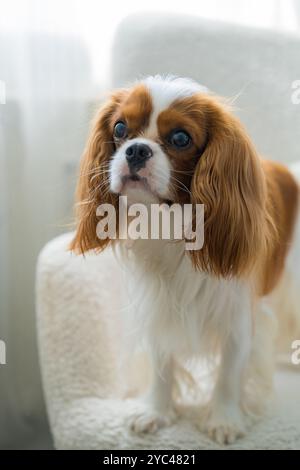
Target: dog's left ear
x,y
230,182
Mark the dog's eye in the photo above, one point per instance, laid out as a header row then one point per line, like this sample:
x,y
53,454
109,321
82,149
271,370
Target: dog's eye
x,y
120,130
180,139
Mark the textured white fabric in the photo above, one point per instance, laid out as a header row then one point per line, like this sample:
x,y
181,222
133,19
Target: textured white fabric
x,y
78,300
79,310
254,67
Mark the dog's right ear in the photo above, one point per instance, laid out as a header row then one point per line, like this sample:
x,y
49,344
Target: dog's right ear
x,y
93,183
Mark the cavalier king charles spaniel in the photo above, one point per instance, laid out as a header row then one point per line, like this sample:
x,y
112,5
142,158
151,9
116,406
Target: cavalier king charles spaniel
x,y
168,140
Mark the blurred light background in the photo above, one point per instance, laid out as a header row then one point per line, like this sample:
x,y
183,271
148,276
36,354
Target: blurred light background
x,y
55,67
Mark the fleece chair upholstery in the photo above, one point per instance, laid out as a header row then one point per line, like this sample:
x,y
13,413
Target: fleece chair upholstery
x,y
79,299
79,305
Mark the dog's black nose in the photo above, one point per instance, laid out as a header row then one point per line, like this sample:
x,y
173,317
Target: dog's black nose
x,y
137,155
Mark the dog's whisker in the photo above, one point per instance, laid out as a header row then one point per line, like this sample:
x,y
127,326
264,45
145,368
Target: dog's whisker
x,y
182,185
96,175
188,173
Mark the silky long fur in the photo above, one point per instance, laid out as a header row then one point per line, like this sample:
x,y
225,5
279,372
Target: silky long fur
x,y
216,302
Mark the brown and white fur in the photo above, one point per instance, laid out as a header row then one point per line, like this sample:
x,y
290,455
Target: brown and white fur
x,y
213,299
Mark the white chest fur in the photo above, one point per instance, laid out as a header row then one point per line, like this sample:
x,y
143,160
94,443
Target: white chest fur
x,y
174,308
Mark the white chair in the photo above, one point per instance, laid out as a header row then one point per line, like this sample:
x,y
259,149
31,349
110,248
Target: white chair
x,y
79,299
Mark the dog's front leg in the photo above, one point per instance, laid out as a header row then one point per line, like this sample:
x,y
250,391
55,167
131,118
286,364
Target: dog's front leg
x,y
225,422
158,400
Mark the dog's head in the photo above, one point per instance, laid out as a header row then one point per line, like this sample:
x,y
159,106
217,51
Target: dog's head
x,y
166,139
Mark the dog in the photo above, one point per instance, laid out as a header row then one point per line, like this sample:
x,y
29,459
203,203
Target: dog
x,y
167,140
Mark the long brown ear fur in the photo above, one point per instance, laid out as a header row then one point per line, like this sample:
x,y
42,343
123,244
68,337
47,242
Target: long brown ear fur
x,y
93,185
229,181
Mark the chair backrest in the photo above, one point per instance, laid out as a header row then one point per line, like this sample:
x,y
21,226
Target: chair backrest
x,y
257,67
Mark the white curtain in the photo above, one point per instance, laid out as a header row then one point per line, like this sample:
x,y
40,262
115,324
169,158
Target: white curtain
x,y
54,64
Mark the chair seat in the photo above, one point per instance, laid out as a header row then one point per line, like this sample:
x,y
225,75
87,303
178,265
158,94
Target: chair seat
x,y
79,310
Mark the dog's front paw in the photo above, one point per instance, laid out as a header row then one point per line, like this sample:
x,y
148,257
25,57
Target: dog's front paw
x,y
151,420
225,424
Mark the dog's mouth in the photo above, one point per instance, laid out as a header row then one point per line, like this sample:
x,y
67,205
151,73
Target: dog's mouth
x,y
134,177
135,181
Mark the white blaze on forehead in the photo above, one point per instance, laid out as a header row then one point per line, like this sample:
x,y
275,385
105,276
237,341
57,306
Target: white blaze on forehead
x,y
164,91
